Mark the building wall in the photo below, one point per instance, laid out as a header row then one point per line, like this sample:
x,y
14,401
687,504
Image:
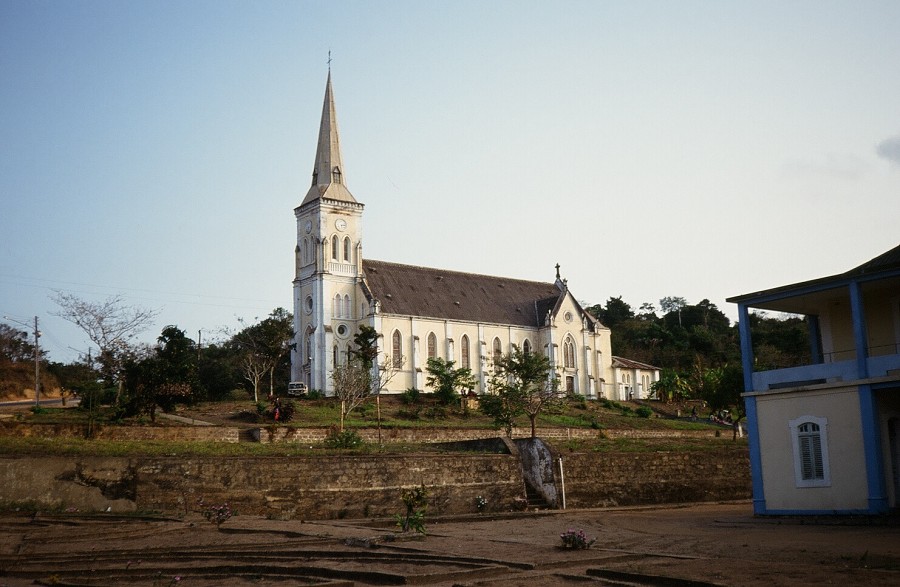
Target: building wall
x,y
592,350
837,332
846,458
882,322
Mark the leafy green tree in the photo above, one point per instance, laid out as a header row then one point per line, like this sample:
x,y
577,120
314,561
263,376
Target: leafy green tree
x,y
779,342
448,382
164,377
264,347
366,341
219,370
672,305
671,386
521,385
615,312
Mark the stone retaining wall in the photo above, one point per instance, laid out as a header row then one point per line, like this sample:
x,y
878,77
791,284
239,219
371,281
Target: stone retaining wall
x,y
123,433
271,434
616,479
353,486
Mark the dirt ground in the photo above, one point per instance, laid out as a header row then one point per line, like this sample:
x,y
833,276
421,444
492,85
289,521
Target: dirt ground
x,y
698,544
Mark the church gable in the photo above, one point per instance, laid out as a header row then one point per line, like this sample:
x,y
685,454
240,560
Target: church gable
x,y
409,290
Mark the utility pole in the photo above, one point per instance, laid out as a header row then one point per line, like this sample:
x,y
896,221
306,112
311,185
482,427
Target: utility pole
x,y
37,364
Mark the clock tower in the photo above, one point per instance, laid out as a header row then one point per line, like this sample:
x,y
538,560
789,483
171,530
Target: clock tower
x,y
328,302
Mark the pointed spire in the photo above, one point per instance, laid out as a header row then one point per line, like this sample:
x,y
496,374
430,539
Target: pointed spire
x,y
328,170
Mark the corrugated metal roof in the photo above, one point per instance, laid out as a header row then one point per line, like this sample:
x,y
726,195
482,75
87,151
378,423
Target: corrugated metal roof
x,y
884,261
410,290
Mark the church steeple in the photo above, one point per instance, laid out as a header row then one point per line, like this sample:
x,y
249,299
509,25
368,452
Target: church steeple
x,y
328,170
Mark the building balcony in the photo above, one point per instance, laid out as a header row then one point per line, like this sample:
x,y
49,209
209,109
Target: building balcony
x,y
833,371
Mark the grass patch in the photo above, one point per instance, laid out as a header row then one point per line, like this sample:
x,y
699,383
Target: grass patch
x,y
637,445
106,448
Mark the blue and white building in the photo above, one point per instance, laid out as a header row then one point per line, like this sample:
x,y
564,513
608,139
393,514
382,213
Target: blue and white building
x,y
825,436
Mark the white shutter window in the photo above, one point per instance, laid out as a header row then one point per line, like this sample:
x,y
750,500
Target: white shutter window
x,y
810,443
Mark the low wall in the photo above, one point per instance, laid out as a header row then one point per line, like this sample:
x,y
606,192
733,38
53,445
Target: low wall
x,y
322,487
272,434
123,433
617,479
354,486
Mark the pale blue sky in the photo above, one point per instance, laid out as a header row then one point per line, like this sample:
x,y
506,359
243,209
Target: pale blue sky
x,y
698,149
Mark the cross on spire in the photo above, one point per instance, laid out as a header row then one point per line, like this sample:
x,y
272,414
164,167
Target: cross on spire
x,y
329,60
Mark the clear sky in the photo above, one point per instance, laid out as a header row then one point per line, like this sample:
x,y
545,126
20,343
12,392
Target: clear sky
x,y
156,150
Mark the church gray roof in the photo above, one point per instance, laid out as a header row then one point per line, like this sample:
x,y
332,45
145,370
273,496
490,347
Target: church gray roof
x,y
623,363
410,290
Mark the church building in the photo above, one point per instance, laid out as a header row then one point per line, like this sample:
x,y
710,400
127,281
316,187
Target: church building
x,y
422,312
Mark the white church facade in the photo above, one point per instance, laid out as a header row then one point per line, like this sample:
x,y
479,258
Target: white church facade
x,y
421,312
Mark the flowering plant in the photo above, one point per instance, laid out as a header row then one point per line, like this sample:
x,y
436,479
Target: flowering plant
x,y
480,503
576,539
217,514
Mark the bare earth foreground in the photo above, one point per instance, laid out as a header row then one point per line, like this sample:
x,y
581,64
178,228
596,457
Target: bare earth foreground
x,y
700,544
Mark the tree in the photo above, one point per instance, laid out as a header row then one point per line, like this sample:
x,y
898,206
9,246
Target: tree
x,y
671,304
263,346
164,376
366,341
647,311
351,386
616,311
448,383
361,377
671,386
14,345
521,385
177,358
111,325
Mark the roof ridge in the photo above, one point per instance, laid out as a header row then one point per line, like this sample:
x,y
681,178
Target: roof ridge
x,y
456,272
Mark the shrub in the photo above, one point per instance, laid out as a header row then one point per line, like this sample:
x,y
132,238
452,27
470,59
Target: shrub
x,y
315,394
411,396
415,499
576,539
217,514
346,439
286,410
644,412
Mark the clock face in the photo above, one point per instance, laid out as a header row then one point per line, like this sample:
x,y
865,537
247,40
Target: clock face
x,y
340,224
308,226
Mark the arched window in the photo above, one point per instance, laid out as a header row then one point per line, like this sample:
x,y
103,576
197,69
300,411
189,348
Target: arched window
x,y
498,353
810,440
526,347
397,349
432,345
336,175
346,249
334,247
569,353
464,351
336,308
307,347
347,309
334,357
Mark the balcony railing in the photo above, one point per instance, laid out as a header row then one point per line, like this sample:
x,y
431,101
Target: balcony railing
x,y
878,366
